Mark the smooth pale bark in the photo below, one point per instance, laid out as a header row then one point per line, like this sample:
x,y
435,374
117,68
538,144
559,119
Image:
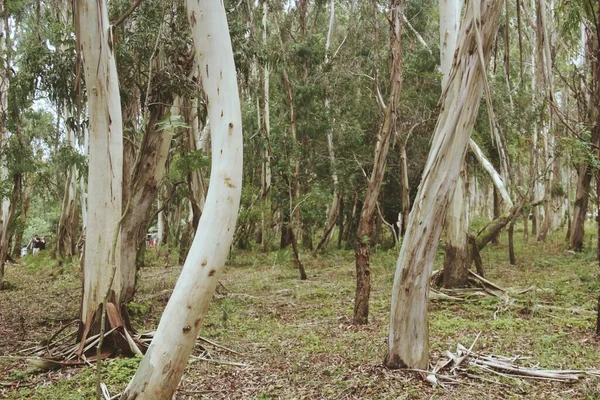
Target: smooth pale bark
x,y
456,259
266,73
82,186
365,226
163,365
148,171
5,202
160,225
105,176
408,342
449,23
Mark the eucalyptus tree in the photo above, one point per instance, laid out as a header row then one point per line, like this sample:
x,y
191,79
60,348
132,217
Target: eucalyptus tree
x,y
588,93
408,342
151,115
544,87
102,291
364,231
68,225
163,365
12,147
5,216
456,259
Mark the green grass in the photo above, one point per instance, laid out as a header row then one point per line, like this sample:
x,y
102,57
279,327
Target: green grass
x,y
298,338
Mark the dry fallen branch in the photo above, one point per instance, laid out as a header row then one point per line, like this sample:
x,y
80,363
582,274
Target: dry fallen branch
x,y
465,361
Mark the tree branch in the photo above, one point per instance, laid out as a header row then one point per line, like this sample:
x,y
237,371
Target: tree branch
x,y
126,14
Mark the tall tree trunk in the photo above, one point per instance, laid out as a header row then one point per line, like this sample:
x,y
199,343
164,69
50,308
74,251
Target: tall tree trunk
x,y
68,224
148,171
404,187
22,219
544,71
584,172
163,365
8,204
364,232
335,204
102,267
266,131
497,212
456,257
511,243
162,225
293,185
67,234
456,260
408,341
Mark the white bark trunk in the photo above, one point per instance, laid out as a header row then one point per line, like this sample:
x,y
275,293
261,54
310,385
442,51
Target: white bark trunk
x,y
5,206
105,161
4,86
408,342
162,367
160,224
266,105
449,23
457,221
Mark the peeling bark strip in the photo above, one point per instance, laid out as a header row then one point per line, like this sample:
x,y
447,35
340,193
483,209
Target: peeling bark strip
x,y
408,342
162,367
105,163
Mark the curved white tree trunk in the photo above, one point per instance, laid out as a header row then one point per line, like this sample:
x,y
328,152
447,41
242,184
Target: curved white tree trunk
x,y
408,342
163,365
105,162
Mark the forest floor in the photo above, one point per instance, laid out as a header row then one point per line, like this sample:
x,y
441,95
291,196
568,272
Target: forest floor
x,y
296,337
